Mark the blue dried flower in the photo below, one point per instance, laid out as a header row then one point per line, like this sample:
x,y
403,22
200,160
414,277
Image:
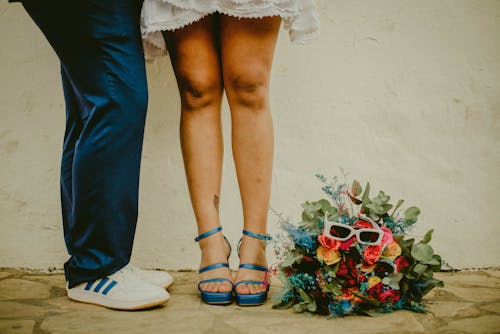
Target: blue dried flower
x,y
340,308
302,238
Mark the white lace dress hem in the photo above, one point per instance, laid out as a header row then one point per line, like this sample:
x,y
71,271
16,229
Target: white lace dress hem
x,y
300,17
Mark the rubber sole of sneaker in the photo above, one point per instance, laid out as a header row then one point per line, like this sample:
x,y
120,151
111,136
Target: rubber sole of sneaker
x,y
117,304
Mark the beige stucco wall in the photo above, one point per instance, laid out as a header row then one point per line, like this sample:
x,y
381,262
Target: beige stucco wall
x,y
405,94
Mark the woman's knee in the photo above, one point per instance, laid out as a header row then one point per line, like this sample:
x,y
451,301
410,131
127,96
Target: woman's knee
x,y
199,91
248,89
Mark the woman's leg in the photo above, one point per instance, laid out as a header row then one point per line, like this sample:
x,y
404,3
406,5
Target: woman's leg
x,y
195,58
247,49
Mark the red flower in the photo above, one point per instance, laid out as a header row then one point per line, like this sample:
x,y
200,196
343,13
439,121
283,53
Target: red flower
x,y
371,254
348,272
401,263
375,290
328,242
389,296
362,224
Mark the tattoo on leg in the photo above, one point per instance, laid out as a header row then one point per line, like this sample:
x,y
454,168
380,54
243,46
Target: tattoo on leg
x,y
216,202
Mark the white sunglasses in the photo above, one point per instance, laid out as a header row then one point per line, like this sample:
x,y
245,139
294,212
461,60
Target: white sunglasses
x,y
342,232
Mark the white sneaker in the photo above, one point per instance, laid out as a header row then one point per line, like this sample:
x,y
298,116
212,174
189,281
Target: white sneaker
x,y
121,291
155,277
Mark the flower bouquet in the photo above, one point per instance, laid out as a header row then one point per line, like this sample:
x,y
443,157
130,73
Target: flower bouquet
x,y
350,254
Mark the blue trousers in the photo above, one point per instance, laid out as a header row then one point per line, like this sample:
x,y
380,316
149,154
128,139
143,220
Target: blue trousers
x,y
99,46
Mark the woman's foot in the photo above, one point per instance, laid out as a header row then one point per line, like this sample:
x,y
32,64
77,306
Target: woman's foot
x,y
215,249
252,251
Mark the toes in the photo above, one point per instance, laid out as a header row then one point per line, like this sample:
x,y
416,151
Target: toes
x,y
216,287
243,289
211,287
227,287
256,288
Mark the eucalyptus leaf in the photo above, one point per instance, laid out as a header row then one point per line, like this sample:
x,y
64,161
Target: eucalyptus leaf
x,y
356,188
392,280
393,284
305,297
298,308
290,260
427,274
410,275
427,237
409,243
283,305
412,213
437,267
284,279
381,198
420,268
325,205
365,199
422,252
404,285
332,273
398,205
311,307
372,312
375,208
432,262
386,207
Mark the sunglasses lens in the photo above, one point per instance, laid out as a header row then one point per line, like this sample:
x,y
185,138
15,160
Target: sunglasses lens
x,y
339,231
369,236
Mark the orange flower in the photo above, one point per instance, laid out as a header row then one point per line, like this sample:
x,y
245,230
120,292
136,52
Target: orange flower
x,y
392,251
374,280
329,256
371,254
327,242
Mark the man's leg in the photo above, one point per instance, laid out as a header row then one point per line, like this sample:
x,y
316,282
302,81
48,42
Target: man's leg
x,y
104,80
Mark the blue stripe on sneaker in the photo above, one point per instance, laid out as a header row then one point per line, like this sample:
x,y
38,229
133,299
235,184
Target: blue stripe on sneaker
x,y
89,285
101,284
109,287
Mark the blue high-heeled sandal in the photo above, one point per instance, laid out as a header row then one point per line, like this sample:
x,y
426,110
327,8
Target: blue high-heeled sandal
x,y
256,298
219,298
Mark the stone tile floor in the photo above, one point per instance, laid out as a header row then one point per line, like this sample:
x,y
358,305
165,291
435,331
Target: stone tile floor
x,y
32,302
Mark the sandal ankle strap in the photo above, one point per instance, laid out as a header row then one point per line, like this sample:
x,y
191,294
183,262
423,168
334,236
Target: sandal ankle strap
x,y
253,267
212,267
208,233
265,237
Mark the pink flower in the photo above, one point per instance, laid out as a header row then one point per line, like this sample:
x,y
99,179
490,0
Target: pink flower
x,y
387,238
328,242
371,254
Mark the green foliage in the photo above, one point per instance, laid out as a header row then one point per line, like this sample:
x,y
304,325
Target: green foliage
x,y
392,280
422,252
314,213
412,213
